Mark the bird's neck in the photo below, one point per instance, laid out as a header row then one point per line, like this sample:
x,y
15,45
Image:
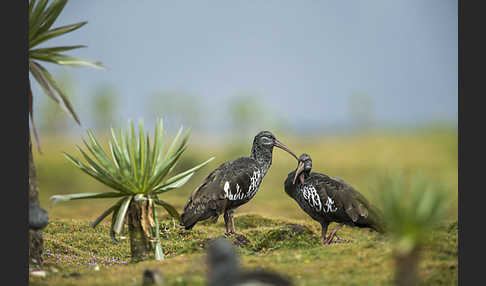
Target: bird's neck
x,y
263,157
306,176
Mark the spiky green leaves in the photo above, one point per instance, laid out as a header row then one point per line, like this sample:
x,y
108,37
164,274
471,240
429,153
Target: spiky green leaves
x,y
41,18
411,208
135,169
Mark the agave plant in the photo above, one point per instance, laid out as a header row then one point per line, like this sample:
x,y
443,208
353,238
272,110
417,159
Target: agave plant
x,y
411,210
137,173
41,18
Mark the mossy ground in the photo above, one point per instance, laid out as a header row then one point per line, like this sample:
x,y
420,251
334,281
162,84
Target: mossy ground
x,y
278,235
290,247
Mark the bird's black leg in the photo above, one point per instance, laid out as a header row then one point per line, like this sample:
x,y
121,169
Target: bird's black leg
x,y
232,220
333,234
226,222
324,226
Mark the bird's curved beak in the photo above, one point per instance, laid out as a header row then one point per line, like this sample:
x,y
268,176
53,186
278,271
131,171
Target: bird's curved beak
x,y
300,167
283,147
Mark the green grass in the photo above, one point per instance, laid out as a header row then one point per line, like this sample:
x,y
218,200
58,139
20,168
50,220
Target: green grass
x,y
280,235
291,247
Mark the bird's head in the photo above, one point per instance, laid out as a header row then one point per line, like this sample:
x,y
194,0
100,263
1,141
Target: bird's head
x,y
304,168
265,141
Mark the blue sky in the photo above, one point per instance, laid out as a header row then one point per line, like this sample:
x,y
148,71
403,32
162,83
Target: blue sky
x,y
303,59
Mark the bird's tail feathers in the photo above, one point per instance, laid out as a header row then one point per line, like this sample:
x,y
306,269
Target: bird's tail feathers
x,y
377,220
189,219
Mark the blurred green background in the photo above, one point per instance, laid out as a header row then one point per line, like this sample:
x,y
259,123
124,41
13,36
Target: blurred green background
x,y
362,91
365,93
358,158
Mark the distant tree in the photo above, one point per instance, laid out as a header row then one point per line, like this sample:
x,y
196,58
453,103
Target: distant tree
x,y
246,114
104,104
176,106
53,119
277,123
41,18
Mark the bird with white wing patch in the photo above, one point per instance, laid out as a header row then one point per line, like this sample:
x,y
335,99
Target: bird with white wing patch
x,y
232,184
329,200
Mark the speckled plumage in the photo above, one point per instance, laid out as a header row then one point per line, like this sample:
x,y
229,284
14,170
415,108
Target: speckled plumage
x,y
232,184
329,200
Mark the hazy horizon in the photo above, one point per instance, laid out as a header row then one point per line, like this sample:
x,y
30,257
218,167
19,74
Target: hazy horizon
x,y
305,62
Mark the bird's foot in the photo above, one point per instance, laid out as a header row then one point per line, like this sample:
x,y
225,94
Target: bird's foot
x,y
338,239
237,238
230,233
333,234
324,240
329,240
341,240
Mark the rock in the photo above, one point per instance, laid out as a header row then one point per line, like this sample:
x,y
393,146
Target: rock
x,y
38,218
222,262
38,273
152,277
225,270
72,275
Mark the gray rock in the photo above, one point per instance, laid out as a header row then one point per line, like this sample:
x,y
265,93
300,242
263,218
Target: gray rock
x,y
152,277
38,217
224,268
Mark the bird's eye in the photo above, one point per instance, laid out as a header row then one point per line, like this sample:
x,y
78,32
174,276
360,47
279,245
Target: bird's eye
x,y
266,141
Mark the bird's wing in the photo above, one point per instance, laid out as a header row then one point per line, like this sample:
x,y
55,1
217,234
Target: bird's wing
x,y
363,207
344,195
241,181
230,180
203,195
203,203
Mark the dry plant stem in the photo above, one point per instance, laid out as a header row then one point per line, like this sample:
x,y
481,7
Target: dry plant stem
x,y
140,245
36,241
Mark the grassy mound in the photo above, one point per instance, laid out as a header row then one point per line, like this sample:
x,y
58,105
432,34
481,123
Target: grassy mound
x,y
74,252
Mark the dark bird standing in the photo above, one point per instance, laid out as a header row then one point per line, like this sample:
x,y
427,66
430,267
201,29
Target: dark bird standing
x,y
232,184
224,269
329,200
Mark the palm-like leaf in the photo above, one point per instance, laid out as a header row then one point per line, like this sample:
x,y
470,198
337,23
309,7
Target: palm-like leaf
x,y
41,18
135,170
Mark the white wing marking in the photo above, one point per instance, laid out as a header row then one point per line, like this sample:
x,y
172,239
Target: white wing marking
x,y
255,181
310,194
